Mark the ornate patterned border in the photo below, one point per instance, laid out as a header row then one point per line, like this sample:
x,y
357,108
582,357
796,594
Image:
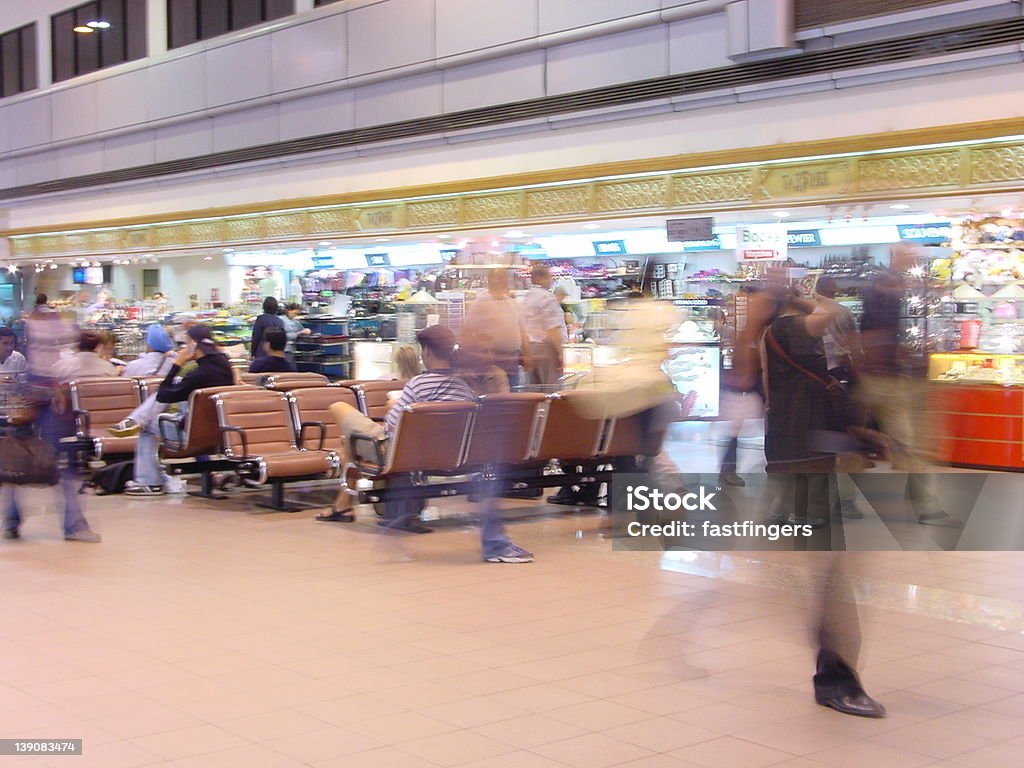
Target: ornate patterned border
x,y
982,166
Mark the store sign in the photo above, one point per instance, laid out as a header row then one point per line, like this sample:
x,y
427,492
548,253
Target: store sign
x,y
804,238
697,302
449,254
377,260
323,262
714,244
688,230
804,180
926,233
761,243
610,247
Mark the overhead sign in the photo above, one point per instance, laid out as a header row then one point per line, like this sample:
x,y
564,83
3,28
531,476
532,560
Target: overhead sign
x,y
377,260
449,254
610,247
925,233
763,243
804,238
689,230
323,262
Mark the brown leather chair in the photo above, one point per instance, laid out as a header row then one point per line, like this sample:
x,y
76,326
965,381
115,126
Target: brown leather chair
x,y
503,430
256,379
100,402
633,437
148,385
566,435
184,444
286,382
312,404
257,433
373,397
429,438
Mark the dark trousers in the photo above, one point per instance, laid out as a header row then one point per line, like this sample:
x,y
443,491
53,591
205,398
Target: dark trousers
x,y
836,632
730,457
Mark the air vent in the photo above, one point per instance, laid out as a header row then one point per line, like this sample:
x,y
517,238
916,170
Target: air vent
x,y
819,13
911,48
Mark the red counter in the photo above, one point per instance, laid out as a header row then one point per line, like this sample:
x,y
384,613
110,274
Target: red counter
x,y
978,425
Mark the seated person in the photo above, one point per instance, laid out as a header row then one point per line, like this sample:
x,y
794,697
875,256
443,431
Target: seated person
x,y
155,361
86,361
212,370
474,364
437,384
273,359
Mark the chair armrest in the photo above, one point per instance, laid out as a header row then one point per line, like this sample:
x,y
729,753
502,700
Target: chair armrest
x,y
83,423
225,431
177,441
359,438
314,424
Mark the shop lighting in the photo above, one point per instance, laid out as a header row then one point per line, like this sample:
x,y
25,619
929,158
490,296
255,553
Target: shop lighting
x,y
383,239
83,30
444,237
1007,213
227,250
591,225
495,244
780,214
207,258
515,233
325,243
98,24
899,206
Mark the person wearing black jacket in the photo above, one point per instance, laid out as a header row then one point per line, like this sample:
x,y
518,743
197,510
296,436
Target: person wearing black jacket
x,y
269,319
212,370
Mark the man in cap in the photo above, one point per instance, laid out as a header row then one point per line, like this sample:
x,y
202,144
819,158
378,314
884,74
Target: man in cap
x,y
155,361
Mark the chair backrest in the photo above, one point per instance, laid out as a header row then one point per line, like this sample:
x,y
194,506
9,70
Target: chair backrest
x,y
148,385
286,382
633,436
566,434
373,397
252,378
107,399
202,430
503,429
264,416
430,437
314,403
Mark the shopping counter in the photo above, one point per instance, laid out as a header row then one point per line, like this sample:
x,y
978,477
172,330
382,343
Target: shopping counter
x,y
976,409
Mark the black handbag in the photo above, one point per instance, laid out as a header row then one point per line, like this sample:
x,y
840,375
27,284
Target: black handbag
x,y
27,460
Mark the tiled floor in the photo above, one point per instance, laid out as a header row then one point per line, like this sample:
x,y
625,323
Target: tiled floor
x,y
210,634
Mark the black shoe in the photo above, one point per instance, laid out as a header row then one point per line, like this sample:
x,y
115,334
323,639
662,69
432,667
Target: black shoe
x,y
11,533
731,478
409,526
859,704
336,516
562,497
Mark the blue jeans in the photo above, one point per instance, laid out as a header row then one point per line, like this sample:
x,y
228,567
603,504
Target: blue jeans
x,y
52,426
147,469
493,538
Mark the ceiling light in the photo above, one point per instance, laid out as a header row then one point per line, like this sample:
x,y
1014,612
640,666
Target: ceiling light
x,y
780,214
98,24
383,239
495,244
899,206
443,237
1007,213
515,233
82,29
325,243
227,250
591,225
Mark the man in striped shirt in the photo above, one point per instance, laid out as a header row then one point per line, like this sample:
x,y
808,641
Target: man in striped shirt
x,y
437,383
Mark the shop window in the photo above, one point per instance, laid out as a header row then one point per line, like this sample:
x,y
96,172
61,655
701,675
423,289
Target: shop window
x,y
150,282
18,61
96,35
192,20
816,13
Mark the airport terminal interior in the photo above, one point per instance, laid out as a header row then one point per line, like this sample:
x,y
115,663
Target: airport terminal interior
x,y
692,332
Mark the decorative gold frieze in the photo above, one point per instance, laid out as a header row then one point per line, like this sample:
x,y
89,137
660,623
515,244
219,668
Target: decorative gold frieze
x,y
724,187
632,195
564,201
500,207
50,244
77,242
327,221
432,213
995,164
886,174
286,225
135,238
380,217
172,235
244,228
804,181
207,232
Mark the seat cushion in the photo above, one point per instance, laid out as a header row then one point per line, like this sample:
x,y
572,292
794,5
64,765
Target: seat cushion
x,y
299,463
115,446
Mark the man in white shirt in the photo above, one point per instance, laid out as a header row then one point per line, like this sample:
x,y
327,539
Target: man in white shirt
x,y
545,328
11,360
494,314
